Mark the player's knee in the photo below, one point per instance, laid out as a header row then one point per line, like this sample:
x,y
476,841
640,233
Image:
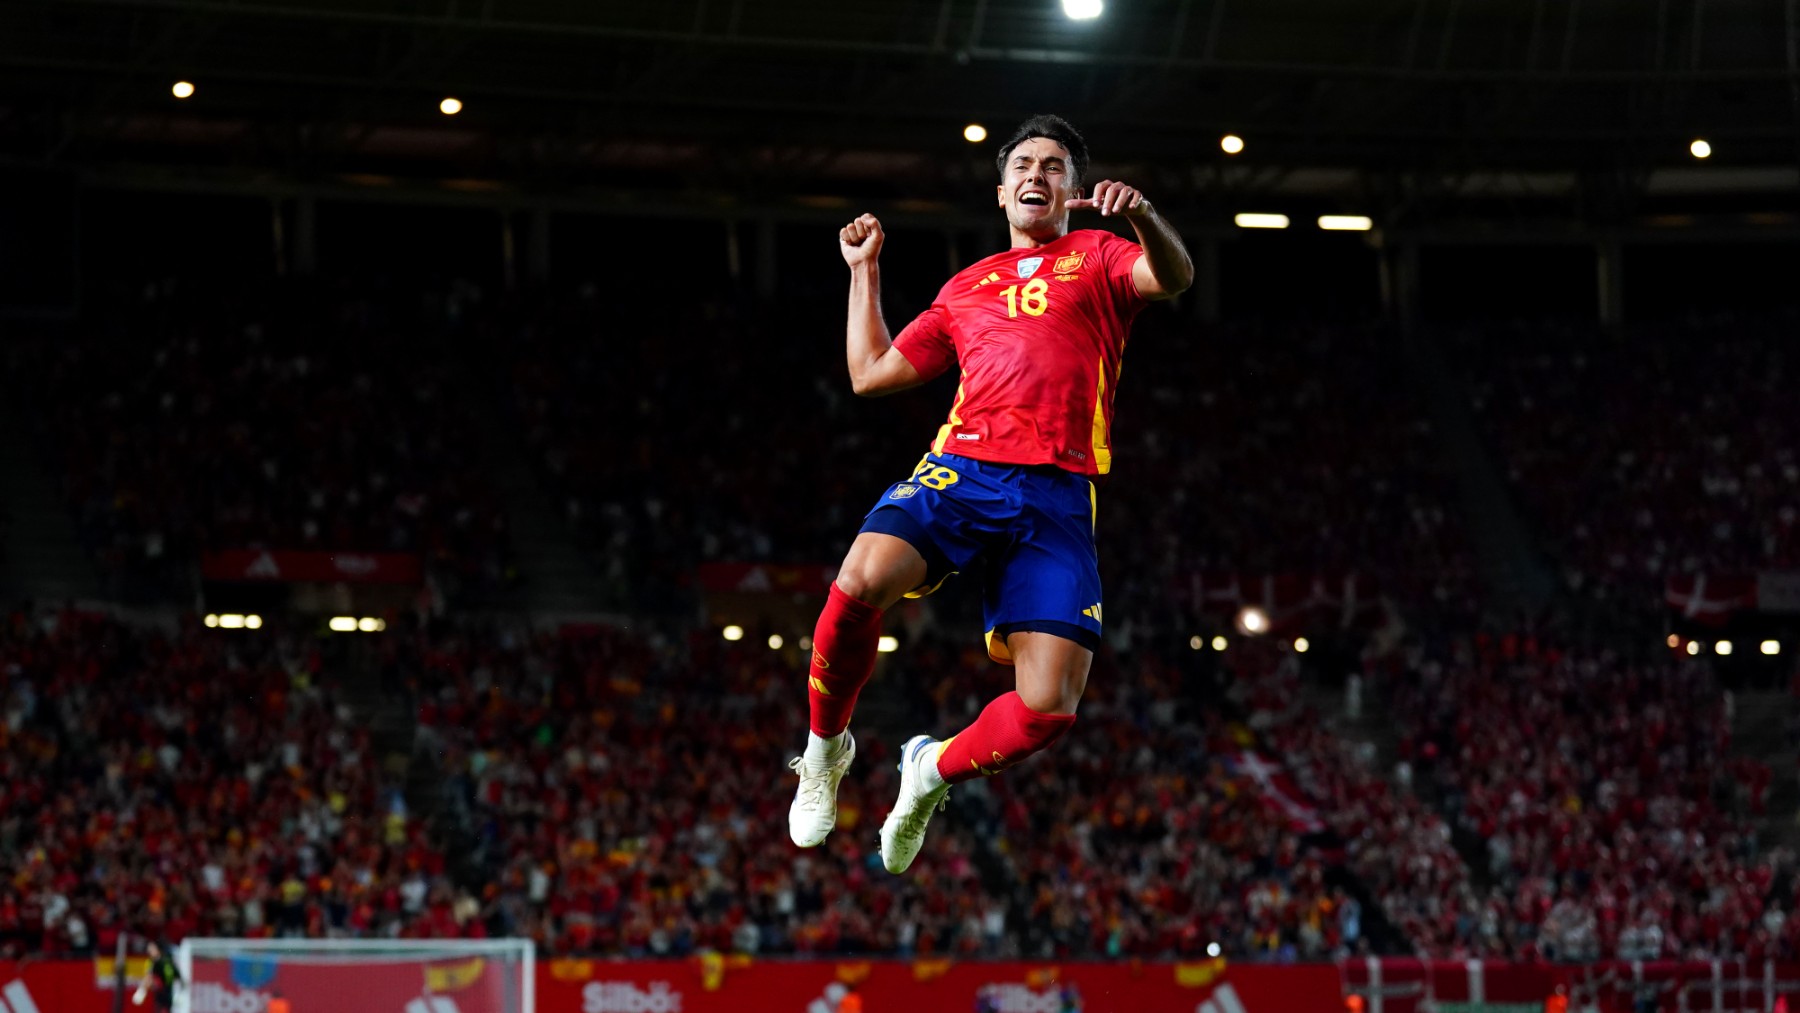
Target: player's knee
x,y
880,571
1060,699
856,582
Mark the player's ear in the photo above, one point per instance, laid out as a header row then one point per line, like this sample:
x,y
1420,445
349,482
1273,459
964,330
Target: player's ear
x,y
1000,192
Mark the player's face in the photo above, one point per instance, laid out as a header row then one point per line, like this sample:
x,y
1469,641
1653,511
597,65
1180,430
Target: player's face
x,y
1037,182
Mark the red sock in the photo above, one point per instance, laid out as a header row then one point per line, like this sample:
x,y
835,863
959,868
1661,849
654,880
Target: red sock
x,y
1006,732
843,658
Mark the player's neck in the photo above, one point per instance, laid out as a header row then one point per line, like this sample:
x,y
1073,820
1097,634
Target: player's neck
x,y
1026,241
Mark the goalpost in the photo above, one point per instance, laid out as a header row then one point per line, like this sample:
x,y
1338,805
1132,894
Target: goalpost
x,y
357,975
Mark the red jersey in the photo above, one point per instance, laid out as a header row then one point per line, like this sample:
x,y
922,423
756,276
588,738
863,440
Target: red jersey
x,y
1040,335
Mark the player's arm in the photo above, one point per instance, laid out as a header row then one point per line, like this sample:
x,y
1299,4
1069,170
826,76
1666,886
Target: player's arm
x,y
875,367
1164,270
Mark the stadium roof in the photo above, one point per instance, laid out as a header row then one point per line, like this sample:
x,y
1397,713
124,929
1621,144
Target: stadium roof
x,y
744,97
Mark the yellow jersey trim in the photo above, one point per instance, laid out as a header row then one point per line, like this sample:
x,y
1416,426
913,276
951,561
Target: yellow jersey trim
x,y
943,436
1102,452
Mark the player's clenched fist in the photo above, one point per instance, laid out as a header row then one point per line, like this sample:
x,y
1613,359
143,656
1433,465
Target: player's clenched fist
x,y
1112,197
860,241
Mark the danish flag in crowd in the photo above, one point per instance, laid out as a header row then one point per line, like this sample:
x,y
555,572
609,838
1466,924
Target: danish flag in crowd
x,y
1278,790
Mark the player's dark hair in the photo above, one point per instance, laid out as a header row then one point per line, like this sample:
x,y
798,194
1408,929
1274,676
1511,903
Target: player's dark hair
x,y
1057,129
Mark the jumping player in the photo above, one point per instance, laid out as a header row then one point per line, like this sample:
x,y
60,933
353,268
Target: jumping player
x,y
1038,332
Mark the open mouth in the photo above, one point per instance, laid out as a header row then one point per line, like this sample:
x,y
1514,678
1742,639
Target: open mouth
x,y
1035,199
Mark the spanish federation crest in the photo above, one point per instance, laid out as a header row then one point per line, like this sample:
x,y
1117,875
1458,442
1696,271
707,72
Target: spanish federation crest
x,y
1029,266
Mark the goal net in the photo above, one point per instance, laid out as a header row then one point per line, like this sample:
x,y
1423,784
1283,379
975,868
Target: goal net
x,y
356,975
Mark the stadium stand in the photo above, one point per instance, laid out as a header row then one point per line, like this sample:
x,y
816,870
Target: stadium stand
x,y
283,417
1669,449
176,783
586,803
1611,815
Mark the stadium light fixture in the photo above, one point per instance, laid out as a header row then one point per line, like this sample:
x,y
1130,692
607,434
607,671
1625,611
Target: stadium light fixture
x,y
775,641
1253,220
182,89
1212,949
732,633
1231,144
1723,647
1771,647
1219,643
231,621
368,624
450,106
1196,642
212,621
1252,620
343,624
806,643
1701,148
1693,647
974,133
888,645
1302,644
1674,640
253,622
1083,10
1346,223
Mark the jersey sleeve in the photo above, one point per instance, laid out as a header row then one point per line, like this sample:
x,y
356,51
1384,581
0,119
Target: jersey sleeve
x,y
926,342
1120,256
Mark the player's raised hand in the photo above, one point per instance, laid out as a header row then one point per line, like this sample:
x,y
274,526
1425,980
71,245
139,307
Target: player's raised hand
x,y
1112,197
860,241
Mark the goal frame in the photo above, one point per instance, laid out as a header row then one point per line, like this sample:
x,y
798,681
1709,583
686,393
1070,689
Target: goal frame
x,y
351,949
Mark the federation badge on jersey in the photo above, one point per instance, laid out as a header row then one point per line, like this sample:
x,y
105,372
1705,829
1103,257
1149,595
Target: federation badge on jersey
x,y
903,491
1029,266
1069,264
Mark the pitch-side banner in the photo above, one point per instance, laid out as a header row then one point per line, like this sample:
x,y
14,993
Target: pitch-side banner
x,y
935,986
707,985
767,578
716,984
312,567
1291,601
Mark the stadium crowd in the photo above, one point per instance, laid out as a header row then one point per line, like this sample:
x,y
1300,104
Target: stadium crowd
x,y
297,417
185,782
1614,819
196,781
618,818
200,782
1668,450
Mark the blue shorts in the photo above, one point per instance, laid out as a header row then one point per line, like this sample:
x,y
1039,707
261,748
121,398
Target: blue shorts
x,y
1031,529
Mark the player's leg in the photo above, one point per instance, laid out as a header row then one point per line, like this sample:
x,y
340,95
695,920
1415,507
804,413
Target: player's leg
x,y
1050,674
1043,603
877,571
910,543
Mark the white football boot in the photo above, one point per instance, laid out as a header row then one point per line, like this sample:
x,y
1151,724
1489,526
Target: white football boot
x,y
903,832
814,811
